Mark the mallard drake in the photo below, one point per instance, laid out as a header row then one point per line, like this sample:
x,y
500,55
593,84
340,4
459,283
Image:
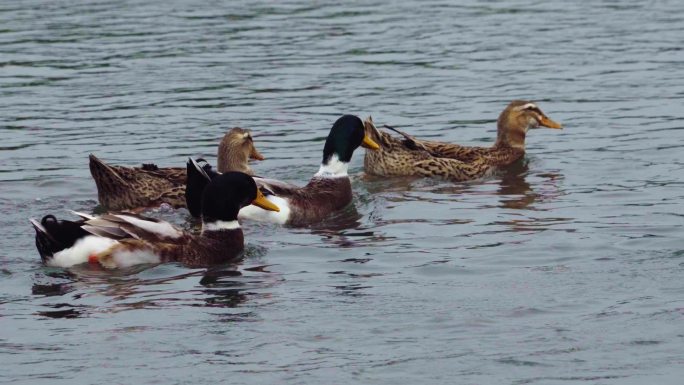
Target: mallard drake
x,y
411,156
129,188
329,190
126,239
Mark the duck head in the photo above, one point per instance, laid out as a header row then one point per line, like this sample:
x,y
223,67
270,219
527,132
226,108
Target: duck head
x,y
236,147
346,135
519,117
225,195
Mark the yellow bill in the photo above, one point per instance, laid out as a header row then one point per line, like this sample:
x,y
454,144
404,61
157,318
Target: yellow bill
x,y
264,203
369,143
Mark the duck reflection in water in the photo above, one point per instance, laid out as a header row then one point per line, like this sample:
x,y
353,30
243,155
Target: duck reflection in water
x,y
516,192
221,286
339,227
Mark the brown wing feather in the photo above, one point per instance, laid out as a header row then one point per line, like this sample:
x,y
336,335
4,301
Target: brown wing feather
x,y
121,188
452,169
117,226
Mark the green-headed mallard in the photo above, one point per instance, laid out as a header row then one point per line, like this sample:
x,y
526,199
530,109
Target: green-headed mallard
x,y
131,188
328,191
126,239
411,156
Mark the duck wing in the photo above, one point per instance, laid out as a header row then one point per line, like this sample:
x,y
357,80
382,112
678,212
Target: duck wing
x,y
452,169
455,151
410,142
433,148
133,226
276,187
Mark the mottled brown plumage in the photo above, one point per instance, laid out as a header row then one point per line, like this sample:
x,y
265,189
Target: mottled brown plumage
x,y
410,156
130,188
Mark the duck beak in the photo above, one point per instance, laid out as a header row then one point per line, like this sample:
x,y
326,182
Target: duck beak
x,y
369,143
546,122
254,154
264,203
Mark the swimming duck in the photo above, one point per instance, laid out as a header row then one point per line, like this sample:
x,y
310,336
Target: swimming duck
x,y
329,190
130,188
126,239
411,156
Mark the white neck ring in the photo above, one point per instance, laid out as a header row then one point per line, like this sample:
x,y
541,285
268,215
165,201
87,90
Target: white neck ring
x,y
220,225
333,168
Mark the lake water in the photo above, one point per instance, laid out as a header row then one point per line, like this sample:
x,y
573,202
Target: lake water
x,y
567,269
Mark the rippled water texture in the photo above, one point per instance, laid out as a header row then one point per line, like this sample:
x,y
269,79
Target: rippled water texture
x,y
564,269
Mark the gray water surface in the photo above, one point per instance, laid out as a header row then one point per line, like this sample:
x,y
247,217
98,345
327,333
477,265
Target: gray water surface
x,y
565,269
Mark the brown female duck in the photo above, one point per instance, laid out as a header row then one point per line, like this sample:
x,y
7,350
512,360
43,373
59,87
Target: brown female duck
x,y
411,156
127,239
130,188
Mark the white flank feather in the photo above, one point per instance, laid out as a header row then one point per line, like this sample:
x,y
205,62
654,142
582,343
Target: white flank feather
x,y
127,258
261,215
81,250
82,215
161,228
334,168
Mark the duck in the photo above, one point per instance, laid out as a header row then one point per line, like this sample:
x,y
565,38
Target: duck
x,y
136,188
328,191
120,240
409,156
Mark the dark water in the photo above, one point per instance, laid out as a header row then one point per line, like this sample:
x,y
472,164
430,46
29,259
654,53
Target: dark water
x,y
566,269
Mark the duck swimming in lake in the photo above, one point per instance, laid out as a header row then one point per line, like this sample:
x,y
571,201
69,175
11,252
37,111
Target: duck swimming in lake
x,y
127,239
411,156
131,188
328,191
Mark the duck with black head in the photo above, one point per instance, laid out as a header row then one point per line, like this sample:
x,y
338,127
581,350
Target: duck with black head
x,y
328,191
127,239
408,155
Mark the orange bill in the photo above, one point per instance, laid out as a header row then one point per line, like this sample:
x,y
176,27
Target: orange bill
x,y
369,143
254,154
264,203
546,122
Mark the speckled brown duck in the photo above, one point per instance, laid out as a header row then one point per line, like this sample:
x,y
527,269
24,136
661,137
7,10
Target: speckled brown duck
x,y
407,155
127,239
133,188
327,192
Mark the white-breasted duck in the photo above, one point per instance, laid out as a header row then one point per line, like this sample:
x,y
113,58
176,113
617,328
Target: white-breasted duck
x,y
126,239
328,191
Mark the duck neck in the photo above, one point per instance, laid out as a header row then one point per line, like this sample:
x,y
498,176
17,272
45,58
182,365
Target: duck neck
x,y
230,159
333,167
509,138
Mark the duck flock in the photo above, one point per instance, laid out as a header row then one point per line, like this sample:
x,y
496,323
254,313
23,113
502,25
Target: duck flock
x,y
231,192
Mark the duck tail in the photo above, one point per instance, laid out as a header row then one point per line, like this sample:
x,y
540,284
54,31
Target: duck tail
x,y
198,178
108,181
53,236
